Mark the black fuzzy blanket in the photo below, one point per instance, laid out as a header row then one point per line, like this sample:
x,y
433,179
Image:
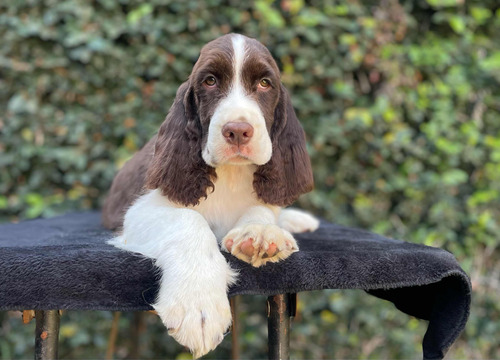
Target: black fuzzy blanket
x,y
65,263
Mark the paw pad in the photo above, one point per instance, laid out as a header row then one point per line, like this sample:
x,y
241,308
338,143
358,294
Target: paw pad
x,y
259,244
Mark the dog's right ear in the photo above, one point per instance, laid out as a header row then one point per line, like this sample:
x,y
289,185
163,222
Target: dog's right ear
x,y
177,167
288,174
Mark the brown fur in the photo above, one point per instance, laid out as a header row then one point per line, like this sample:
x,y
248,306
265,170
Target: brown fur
x,y
288,174
127,186
177,168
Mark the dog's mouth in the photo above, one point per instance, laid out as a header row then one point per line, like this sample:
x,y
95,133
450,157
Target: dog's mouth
x,y
238,153
230,157
231,154
239,158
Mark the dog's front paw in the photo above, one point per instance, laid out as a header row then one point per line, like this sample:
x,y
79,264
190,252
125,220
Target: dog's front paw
x,y
198,321
297,221
258,244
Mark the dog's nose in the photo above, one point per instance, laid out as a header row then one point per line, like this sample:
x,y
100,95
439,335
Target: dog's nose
x,y
237,133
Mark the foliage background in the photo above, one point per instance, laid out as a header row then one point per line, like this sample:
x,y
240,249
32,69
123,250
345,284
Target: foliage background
x,y
400,101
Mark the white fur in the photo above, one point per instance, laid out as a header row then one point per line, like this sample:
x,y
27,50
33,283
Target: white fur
x,y
237,107
239,58
297,221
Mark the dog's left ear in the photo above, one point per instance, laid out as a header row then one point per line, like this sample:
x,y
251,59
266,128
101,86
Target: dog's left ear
x,y
288,174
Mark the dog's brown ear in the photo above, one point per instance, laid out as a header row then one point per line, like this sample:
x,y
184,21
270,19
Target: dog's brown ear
x,y
177,167
288,174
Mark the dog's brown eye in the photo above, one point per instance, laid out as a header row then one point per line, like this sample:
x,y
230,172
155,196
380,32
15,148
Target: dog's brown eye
x,y
210,81
265,83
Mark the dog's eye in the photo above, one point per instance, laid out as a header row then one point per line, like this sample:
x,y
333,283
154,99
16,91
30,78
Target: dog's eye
x,y
210,81
264,83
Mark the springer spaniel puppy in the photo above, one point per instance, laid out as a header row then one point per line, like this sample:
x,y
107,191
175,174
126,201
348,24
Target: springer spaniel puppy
x,y
230,154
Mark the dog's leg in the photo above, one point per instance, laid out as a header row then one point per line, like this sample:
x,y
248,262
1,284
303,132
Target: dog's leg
x,y
297,221
257,239
192,300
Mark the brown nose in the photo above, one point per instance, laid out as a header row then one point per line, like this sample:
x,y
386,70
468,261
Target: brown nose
x,y
237,133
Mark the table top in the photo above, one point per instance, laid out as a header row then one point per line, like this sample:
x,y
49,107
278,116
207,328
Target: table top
x,y
65,263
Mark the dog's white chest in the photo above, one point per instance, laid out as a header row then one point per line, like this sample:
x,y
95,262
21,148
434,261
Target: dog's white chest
x,y
232,196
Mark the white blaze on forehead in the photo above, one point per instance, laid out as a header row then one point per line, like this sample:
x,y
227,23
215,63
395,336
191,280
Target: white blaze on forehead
x,y
239,59
235,107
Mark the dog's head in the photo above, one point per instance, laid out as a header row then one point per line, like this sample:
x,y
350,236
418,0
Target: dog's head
x,y
232,110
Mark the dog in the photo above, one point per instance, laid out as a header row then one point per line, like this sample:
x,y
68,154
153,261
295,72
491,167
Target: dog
x,y
229,156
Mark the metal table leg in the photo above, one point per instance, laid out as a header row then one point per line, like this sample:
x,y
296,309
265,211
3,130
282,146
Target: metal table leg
x,y
280,308
46,334
235,343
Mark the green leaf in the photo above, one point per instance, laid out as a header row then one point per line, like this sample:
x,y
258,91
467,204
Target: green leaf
x,y
138,13
444,3
21,103
457,23
492,62
480,14
359,114
270,15
3,202
35,204
184,356
482,197
454,177
310,17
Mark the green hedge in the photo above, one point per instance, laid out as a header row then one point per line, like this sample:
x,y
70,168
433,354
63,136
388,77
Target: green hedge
x,y
400,102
